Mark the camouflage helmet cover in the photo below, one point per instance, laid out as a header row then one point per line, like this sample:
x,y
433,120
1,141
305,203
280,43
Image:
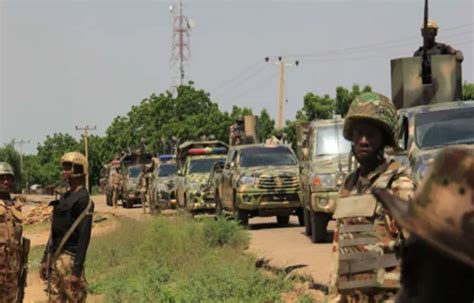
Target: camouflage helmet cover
x,y
6,169
376,108
442,211
77,159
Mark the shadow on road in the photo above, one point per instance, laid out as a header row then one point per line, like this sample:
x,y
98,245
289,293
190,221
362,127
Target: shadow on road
x,y
269,225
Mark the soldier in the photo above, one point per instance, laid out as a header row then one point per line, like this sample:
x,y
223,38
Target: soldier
x,y
438,257
365,238
65,253
142,185
116,180
436,48
12,249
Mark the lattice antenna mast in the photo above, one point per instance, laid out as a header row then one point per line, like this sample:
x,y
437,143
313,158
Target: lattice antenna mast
x,y
181,50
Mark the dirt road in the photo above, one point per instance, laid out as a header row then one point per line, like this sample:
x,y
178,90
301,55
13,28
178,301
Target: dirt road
x,y
288,246
283,246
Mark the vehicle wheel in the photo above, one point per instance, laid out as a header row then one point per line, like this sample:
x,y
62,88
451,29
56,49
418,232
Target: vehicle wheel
x,y
243,217
129,203
124,203
319,224
307,222
108,200
301,218
283,220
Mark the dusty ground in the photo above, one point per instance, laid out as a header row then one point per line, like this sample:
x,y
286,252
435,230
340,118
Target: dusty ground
x,y
282,246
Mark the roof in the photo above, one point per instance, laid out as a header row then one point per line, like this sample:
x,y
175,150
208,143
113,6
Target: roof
x,y
437,107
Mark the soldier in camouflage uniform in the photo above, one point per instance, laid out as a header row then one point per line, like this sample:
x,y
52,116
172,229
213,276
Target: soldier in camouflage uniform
x,y
436,48
10,237
65,254
143,186
365,265
116,179
438,256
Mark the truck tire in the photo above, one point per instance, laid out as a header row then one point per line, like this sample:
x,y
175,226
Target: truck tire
x,y
124,203
243,217
307,222
218,202
283,220
319,225
108,199
301,219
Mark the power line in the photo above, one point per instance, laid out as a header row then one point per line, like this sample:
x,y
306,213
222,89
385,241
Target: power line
x,y
241,81
240,74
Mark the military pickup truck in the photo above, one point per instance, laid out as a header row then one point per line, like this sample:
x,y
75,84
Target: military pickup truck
x,y
132,166
425,129
162,192
195,161
260,180
322,173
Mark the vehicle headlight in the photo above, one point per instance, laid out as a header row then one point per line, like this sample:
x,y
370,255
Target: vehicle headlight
x,y
245,180
194,186
323,181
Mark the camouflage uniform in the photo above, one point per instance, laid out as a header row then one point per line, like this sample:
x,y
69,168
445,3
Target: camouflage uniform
x,y
60,290
10,243
365,266
440,219
116,183
142,185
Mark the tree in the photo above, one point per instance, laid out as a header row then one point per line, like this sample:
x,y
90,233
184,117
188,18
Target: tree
x,y
265,125
344,97
468,91
315,106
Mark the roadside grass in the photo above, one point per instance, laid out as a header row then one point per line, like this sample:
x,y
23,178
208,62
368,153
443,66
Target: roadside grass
x,y
177,259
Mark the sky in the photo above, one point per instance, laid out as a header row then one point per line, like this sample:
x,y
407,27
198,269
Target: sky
x,y
71,63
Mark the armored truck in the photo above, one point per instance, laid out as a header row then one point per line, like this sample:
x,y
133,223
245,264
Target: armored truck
x,y
195,161
162,192
322,174
260,180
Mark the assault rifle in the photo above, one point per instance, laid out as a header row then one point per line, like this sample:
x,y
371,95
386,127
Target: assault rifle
x,y
25,250
426,62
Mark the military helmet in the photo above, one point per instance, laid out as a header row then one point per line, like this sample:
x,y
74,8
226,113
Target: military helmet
x,y
376,108
76,159
432,24
6,169
442,211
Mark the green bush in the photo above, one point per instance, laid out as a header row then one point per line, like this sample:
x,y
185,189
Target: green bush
x,y
178,260
222,232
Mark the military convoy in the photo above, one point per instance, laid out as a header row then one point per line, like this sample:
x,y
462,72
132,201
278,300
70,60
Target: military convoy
x,y
259,180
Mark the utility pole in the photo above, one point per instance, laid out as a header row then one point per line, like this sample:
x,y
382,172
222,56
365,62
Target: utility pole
x,y
21,143
181,50
282,64
86,130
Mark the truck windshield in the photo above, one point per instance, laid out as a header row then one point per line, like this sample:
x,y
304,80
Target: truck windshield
x,y
167,170
266,156
330,141
444,127
134,171
202,165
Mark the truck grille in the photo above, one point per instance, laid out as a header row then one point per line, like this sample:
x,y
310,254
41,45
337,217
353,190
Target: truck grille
x,y
276,183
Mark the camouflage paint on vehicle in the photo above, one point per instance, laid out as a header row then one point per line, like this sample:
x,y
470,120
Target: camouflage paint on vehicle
x,y
421,157
320,200
259,190
163,188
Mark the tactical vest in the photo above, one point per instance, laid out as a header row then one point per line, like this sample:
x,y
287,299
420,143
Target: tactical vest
x,y
365,242
10,239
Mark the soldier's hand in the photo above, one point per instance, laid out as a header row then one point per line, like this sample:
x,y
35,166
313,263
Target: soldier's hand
x,y
74,282
43,271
